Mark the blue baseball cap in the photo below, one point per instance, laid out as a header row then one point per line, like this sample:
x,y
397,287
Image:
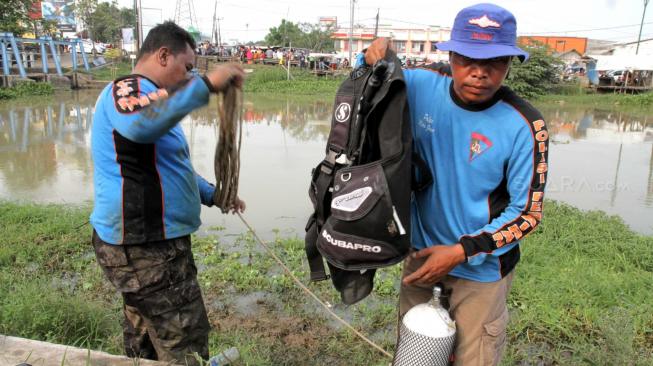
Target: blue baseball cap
x,y
484,31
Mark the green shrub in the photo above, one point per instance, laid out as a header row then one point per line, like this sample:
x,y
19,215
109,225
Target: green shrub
x,y
537,76
638,100
568,88
26,89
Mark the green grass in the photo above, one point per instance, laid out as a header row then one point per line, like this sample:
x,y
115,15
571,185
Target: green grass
x,y
112,71
26,89
581,295
642,101
274,79
50,287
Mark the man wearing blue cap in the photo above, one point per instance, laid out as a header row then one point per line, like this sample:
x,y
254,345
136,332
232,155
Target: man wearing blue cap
x,y
487,151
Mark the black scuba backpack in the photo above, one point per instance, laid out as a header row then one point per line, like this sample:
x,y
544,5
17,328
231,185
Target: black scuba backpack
x,y
361,190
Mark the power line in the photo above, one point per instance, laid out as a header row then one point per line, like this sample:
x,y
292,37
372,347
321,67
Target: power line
x,y
245,29
407,22
641,26
589,30
525,33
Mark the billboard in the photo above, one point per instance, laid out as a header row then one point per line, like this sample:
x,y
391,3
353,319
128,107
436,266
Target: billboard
x,y
62,12
34,12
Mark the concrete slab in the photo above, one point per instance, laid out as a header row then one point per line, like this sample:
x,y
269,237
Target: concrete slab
x,y
59,82
14,351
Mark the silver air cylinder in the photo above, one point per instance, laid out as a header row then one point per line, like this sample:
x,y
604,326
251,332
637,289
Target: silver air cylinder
x,y
426,335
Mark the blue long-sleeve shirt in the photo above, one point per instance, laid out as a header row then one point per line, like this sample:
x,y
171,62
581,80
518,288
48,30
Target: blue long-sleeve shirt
x,y
489,165
145,185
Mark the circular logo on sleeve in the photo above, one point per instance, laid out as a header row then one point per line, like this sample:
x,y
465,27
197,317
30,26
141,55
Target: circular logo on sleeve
x,y
342,112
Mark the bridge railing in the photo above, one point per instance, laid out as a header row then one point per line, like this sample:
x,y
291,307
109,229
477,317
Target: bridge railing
x,y
9,47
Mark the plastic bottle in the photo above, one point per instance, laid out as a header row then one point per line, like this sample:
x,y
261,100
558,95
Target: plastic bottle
x,y
227,357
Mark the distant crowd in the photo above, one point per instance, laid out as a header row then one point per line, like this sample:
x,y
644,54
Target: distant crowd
x,y
303,58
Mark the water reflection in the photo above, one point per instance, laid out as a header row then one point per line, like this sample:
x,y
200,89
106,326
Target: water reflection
x,y
283,138
301,118
566,125
36,140
601,159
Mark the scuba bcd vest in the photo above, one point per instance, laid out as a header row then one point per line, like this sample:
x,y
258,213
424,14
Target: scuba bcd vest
x,y
361,190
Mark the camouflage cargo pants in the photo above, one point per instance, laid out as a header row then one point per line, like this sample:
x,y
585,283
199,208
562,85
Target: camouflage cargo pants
x,y
165,318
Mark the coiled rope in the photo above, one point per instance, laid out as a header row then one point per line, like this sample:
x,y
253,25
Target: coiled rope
x,y
227,150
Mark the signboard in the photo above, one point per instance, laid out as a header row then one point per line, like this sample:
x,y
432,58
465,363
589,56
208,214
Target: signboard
x,y
128,39
34,12
62,12
128,35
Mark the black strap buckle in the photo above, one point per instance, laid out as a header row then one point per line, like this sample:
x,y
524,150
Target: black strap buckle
x,y
329,162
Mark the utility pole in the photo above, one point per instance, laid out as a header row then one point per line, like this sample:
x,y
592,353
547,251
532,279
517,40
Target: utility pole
x,y
376,25
216,37
219,33
288,61
137,35
139,22
351,30
639,38
214,31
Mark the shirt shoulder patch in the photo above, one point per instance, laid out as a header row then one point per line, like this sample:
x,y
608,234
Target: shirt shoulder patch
x,y
128,98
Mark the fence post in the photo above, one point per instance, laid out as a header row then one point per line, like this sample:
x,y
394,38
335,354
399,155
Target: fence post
x,y
56,56
84,58
44,55
14,47
5,58
73,54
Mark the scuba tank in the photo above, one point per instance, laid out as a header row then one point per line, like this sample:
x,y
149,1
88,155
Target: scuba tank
x,y
361,190
426,335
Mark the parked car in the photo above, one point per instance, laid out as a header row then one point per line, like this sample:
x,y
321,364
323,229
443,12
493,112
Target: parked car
x,y
88,47
617,75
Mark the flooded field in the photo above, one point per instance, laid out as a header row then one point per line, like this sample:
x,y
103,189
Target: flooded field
x,y
600,159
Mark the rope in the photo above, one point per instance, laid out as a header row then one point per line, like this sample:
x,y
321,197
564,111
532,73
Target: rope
x,y
309,292
227,150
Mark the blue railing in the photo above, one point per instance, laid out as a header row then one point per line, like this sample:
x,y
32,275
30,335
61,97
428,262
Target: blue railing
x,y
8,40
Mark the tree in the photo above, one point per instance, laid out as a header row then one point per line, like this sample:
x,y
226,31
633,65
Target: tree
x,y
301,35
14,16
284,34
84,10
538,75
46,28
315,38
107,20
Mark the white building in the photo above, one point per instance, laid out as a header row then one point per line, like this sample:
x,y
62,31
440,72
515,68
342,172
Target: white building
x,y
628,49
415,43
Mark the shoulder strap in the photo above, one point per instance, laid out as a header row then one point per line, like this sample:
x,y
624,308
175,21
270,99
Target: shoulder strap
x,y
315,262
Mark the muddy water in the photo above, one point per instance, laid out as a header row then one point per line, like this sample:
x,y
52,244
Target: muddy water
x,y
600,159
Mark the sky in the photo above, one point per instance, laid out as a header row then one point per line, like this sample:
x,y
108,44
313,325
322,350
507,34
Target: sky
x,y
249,20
